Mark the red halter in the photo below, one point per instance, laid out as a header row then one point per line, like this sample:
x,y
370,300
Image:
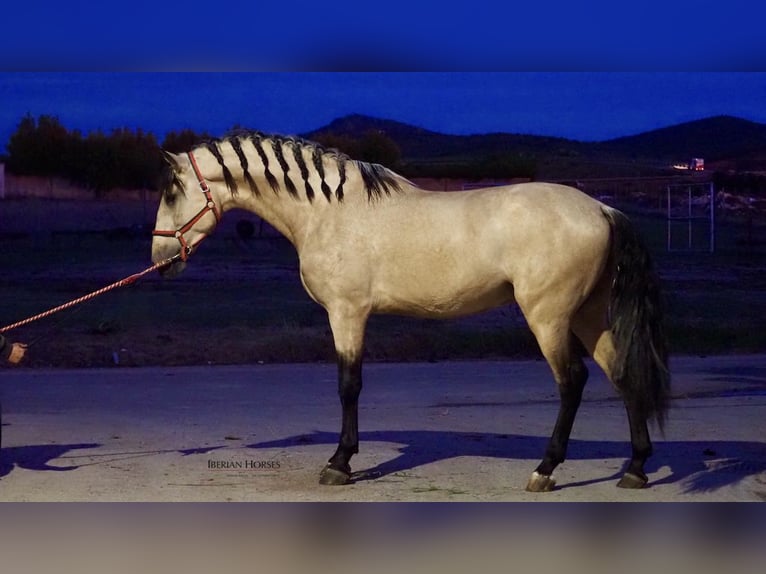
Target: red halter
x,y
210,206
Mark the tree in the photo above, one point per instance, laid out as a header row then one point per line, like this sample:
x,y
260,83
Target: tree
x,y
342,143
373,147
124,158
38,147
184,140
376,147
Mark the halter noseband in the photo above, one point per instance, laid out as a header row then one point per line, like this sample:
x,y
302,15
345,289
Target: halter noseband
x,y
210,206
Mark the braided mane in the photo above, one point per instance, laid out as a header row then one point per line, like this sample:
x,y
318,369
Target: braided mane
x,y
378,180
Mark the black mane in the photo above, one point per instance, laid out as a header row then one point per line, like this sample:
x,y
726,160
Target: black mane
x,y
378,181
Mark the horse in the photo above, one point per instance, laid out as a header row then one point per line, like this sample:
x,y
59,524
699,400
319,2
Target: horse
x,y
370,241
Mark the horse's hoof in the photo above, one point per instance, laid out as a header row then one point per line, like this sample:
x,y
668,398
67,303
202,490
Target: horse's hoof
x,y
333,477
630,480
540,483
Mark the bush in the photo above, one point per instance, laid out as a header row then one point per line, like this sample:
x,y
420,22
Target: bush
x,y
38,147
186,139
373,147
124,158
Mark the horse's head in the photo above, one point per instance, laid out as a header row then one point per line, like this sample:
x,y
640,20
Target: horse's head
x,y
186,215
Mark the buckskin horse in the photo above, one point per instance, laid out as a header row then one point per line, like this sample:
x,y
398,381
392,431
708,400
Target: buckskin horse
x,y
370,241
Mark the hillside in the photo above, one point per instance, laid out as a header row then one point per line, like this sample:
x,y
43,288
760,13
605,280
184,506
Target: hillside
x,y
418,143
716,138
649,153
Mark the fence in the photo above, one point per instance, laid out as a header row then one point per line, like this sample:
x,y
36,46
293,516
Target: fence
x,y
691,217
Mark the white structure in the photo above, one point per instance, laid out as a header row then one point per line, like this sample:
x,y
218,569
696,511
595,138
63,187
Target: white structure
x,y
691,217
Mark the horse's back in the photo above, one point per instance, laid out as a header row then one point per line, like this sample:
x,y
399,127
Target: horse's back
x,y
541,220
550,198
448,254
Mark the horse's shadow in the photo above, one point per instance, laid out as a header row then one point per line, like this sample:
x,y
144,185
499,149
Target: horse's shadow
x,y
700,466
38,457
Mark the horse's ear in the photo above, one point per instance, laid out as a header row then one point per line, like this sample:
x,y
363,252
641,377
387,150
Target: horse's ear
x,y
171,160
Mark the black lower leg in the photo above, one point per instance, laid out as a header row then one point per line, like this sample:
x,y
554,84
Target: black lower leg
x,y
349,388
570,392
634,476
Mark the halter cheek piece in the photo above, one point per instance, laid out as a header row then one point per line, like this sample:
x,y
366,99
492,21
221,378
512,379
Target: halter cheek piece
x,y
210,206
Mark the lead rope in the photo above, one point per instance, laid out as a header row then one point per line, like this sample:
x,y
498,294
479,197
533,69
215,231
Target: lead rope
x,y
121,283
186,250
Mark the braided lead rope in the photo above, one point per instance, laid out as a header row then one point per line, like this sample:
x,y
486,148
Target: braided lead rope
x,y
121,283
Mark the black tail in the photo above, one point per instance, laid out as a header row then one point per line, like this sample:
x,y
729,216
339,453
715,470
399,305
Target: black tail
x,y
635,313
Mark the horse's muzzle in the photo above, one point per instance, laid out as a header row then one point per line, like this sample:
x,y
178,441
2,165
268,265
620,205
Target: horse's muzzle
x,y
174,263
172,270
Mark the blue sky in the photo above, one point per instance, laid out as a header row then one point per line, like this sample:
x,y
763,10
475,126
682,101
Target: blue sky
x,y
475,35
166,66
582,105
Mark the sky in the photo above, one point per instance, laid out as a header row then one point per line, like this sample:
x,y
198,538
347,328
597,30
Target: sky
x,y
545,68
393,35
588,106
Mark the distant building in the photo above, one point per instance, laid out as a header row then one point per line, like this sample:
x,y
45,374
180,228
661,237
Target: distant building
x,y
695,164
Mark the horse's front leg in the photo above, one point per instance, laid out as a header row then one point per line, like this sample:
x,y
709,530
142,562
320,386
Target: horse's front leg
x,y
347,325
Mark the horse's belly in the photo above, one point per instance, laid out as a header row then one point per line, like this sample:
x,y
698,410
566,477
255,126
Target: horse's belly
x,y
444,303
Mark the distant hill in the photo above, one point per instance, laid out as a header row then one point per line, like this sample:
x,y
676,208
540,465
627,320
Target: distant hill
x,y
419,143
716,138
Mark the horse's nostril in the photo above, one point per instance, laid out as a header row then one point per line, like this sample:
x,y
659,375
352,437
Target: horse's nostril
x,y
172,269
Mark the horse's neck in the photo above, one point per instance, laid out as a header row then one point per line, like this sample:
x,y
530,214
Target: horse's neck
x,y
290,185
286,214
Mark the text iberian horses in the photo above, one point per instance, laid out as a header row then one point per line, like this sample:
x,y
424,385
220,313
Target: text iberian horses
x,y
369,241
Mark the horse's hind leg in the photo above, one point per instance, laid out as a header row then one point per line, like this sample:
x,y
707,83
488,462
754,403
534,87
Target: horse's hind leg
x,y
348,332
565,357
641,444
590,326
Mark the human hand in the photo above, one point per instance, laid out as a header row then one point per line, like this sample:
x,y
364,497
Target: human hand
x,y
18,350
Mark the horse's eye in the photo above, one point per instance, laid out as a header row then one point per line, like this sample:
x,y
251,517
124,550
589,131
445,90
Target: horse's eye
x,y
170,198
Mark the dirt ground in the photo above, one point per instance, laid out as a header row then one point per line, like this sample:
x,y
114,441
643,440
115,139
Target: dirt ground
x,y
451,431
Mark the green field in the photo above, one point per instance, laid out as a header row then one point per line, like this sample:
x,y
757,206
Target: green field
x,y
242,302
